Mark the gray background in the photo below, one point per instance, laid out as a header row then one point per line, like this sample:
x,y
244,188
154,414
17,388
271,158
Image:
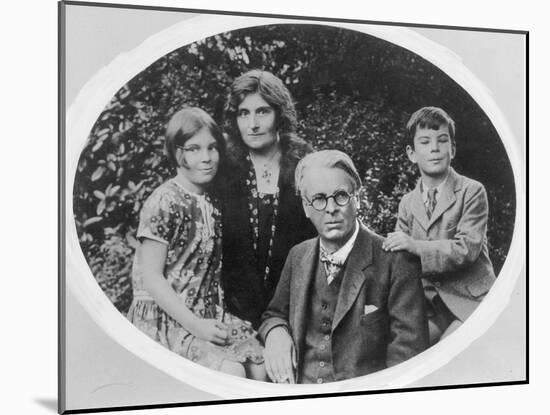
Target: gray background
x,y
101,373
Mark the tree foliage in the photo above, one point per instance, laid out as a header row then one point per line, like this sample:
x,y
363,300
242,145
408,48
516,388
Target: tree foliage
x,y
353,92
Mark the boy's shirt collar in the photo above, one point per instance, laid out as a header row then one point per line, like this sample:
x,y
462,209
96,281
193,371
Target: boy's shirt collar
x,y
424,189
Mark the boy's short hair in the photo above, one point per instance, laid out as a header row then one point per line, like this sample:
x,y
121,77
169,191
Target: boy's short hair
x,y
183,125
327,158
432,118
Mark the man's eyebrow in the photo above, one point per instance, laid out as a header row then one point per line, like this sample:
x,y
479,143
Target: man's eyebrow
x,y
341,189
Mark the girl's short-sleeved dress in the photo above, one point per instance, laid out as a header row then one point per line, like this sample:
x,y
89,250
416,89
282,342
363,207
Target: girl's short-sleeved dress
x,y
189,225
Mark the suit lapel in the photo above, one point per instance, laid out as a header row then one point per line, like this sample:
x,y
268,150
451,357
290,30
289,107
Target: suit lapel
x,y
301,288
418,208
359,258
447,197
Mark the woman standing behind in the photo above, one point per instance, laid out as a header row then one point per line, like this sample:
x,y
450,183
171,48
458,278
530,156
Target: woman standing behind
x,y
262,215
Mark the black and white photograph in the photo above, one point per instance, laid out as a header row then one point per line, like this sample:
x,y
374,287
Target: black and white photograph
x,y
261,207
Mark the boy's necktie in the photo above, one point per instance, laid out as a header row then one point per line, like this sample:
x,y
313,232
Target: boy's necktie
x,y
431,202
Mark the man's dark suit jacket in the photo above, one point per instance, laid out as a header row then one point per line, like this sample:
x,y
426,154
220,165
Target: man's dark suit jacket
x,y
361,343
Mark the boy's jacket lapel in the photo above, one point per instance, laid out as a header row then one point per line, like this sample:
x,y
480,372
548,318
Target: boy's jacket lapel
x,y
447,198
418,208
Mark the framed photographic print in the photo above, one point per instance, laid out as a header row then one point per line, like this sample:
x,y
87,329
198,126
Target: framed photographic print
x,y
248,208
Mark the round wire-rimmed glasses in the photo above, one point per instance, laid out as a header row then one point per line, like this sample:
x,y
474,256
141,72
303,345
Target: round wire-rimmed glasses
x,y
320,201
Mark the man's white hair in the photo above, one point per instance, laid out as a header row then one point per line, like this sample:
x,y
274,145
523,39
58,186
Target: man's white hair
x,y
327,158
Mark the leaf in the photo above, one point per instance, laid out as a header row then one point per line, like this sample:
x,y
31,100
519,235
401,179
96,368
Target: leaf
x,y
99,194
113,190
86,237
82,165
102,134
98,173
91,221
100,207
97,146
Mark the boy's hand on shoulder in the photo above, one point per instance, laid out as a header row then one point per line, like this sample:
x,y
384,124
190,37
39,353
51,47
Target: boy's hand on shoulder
x,y
400,241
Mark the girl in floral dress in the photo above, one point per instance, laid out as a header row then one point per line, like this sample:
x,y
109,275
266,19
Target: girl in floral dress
x,y
178,299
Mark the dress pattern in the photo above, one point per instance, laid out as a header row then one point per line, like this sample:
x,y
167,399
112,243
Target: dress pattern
x,y
189,224
256,201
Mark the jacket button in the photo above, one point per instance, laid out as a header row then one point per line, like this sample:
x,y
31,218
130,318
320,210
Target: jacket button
x,y
437,284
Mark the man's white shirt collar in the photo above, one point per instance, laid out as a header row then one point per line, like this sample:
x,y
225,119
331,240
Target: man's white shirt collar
x,y
342,254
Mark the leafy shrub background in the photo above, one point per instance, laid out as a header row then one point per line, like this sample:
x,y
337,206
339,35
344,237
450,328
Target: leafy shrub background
x,y
353,92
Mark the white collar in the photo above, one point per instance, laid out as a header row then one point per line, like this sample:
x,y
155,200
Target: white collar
x,y
340,256
424,189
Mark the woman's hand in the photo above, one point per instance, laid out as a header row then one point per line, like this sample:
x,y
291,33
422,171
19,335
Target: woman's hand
x,y
211,330
153,257
280,356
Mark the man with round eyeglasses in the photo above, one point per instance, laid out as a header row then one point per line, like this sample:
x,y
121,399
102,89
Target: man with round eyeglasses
x,y
343,306
320,202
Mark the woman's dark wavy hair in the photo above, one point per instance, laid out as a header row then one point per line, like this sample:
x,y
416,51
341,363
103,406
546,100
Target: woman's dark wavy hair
x,y
276,94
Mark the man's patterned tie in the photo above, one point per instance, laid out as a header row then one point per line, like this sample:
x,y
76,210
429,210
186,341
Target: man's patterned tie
x,y
332,267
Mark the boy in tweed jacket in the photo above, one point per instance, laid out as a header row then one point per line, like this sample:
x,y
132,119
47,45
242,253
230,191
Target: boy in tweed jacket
x,y
443,221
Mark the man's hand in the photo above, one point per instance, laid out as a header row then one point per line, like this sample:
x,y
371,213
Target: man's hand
x,y
400,241
280,356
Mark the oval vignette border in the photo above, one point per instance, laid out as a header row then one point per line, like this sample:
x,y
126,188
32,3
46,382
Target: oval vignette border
x,y
98,92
